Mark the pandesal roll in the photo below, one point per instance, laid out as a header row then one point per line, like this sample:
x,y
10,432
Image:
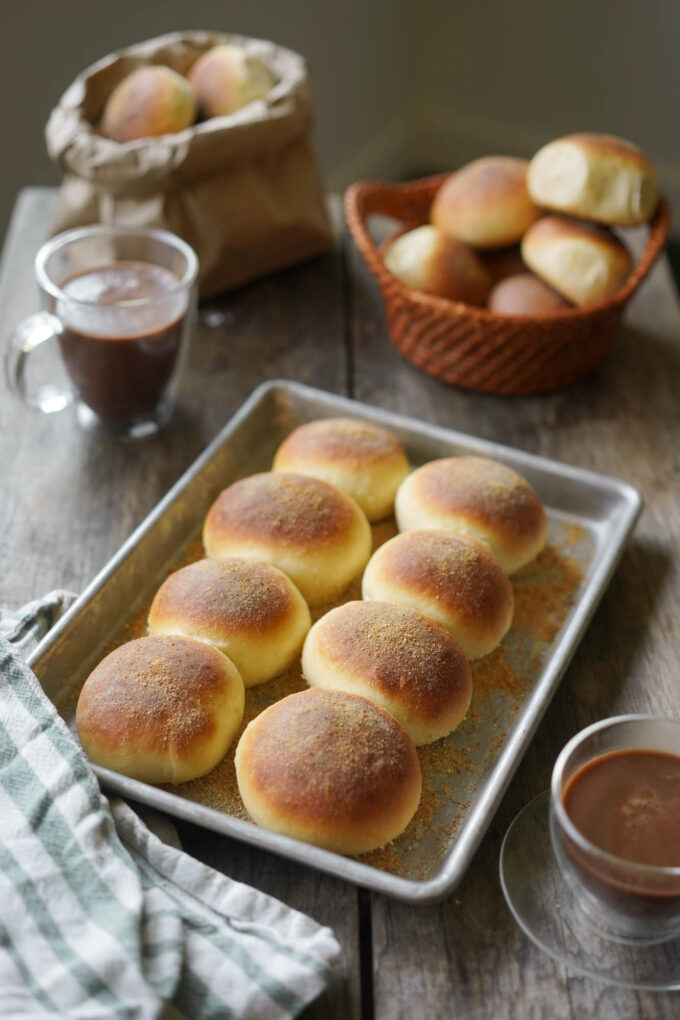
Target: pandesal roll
x,y
480,497
249,610
361,458
451,578
331,769
309,529
585,263
226,78
525,294
486,203
160,709
595,176
433,261
404,661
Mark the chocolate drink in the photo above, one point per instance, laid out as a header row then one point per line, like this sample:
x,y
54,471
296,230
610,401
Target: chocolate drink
x,y
627,803
122,331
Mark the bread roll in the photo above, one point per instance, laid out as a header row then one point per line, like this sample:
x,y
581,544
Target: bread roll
x,y
452,578
583,262
361,458
160,709
525,295
428,259
404,661
226,78
149,102
479,497
331,769
306,527
598,177
249,610
486,203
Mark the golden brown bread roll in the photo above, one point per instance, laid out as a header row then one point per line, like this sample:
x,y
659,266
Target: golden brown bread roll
x,y
476,496
226,78
427,259
160,709
404,661
149,102
331,769
363,459
309,529
583,262
452,578
486,203
249,610
525,294
598,177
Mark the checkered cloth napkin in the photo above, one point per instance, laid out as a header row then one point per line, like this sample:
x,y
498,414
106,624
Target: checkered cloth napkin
x,y
98,917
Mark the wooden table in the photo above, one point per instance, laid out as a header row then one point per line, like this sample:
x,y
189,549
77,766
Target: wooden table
x,y
69,500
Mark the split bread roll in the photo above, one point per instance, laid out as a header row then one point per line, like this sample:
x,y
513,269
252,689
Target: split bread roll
x,y
362,459
249,610
309,529
479,497
583,262
525,294
331,769
451,578
486,203
598,177
430,260
404,661
160,709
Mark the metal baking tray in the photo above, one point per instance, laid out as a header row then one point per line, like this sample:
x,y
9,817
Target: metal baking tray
x,y
590,517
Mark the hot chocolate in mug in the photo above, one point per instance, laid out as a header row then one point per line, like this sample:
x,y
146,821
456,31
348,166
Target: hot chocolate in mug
x,y
120,304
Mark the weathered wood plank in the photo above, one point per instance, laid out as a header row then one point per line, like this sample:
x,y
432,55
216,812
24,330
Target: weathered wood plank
x,y
466,957
70,499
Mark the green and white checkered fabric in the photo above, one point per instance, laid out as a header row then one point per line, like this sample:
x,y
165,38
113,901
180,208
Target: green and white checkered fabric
x,y
98,917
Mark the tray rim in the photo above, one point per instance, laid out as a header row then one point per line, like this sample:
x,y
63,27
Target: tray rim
x,y
517,740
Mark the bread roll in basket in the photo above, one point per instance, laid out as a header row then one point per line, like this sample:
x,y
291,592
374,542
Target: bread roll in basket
x,y
472,347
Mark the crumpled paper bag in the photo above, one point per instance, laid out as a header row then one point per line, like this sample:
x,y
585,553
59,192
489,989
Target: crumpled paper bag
x,y
244,190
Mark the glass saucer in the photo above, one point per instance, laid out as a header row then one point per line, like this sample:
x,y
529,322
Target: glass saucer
x,y
545,907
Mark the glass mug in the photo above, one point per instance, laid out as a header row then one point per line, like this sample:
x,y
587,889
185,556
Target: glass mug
x,y
120,303
627,901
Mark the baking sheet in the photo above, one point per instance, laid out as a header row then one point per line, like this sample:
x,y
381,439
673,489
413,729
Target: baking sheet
x,y
465,775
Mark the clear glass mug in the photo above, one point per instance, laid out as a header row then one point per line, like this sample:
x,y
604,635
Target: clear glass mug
x,y
120,304
628,902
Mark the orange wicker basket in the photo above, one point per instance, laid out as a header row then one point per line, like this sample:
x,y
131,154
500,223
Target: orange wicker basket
x,y
472,347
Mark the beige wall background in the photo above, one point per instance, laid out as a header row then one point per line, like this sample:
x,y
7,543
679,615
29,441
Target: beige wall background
x,y
400,87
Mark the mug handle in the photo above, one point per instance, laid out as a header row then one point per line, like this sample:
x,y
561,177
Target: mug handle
x,y
27,337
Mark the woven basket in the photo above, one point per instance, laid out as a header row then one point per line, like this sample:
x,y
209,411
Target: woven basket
x,y
472,347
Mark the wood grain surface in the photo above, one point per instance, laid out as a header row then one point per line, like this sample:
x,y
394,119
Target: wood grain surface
x,y
70,499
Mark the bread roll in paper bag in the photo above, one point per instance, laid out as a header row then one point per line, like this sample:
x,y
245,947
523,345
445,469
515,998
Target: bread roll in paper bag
x,y
244,190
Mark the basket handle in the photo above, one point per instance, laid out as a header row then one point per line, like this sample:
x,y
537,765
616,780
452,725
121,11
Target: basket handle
x,y
403,202
659,229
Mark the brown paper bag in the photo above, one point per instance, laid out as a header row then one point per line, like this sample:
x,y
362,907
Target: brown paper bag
x,y
243,190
